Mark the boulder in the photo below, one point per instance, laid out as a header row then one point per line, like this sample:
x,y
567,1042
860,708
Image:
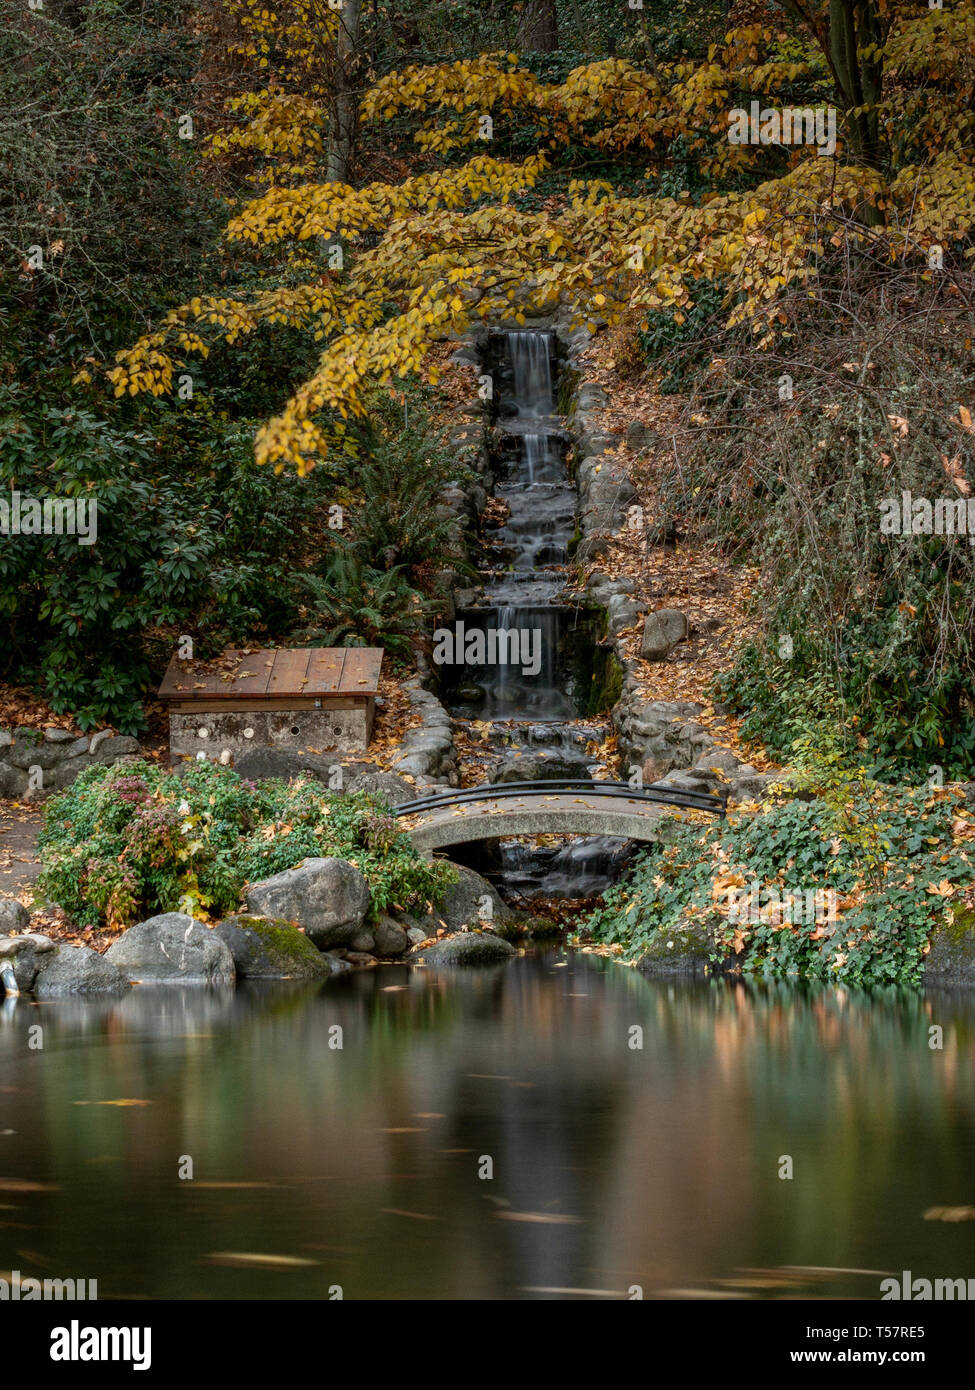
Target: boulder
x,y
391,938
328,897
264,948
609,488
686,781
283,764
656,766
751,788
661,633
336,962
385,785
951,960
641,436
685,949
13,781
28,954
622,612
31,752
557,765
471,901
110,749
718,760
592,547
78,970
466,948
173,948
363,943
14,917
63,774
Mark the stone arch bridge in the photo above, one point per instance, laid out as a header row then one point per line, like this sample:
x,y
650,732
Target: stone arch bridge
x,y
583,807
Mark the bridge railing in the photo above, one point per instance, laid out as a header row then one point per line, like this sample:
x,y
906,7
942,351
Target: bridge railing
x,y
496,791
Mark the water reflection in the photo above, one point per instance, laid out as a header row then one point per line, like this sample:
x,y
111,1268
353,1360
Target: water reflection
x,y
612,1166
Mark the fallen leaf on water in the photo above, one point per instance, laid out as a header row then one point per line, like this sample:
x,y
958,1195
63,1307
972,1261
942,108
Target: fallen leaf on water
x,y
25,1185
950,1214
239,1260
539,1217
416,1215
582,1293
111,1102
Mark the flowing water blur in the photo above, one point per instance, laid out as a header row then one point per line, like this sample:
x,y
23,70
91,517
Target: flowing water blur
x,y
613,1167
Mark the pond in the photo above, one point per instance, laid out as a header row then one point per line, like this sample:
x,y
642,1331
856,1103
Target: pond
x,y
366,1167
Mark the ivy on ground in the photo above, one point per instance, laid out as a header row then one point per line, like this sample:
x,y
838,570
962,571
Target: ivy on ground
x,y
882,867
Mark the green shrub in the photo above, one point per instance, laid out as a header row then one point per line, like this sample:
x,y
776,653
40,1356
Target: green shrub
x,y
884,861
125,842
834,699
192,536
356,605
682,338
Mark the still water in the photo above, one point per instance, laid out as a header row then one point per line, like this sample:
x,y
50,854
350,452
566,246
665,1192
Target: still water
x,y
613,1166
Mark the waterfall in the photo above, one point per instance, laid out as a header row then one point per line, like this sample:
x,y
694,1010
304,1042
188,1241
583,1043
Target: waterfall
x,y
533,393
526,705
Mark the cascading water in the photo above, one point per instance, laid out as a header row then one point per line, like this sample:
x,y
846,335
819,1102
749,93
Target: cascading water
x,y
534,706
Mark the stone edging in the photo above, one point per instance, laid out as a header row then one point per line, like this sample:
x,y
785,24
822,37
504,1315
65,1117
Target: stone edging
x,y
33,765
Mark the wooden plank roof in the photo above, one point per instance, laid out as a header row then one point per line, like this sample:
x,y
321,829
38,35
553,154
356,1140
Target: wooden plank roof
x,y
275,673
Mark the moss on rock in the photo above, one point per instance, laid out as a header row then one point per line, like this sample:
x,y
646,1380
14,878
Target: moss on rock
x,y
267,948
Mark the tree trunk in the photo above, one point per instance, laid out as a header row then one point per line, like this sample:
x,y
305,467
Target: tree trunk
x,y
853,25
538,30
844,32
343,116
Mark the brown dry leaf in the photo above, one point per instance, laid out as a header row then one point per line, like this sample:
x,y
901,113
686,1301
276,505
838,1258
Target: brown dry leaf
x,y
953,469
944,889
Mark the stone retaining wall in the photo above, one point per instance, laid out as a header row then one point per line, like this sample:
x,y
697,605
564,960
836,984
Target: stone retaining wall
x,y
35,763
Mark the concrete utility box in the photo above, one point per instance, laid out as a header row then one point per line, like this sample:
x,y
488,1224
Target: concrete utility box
x,y
307,699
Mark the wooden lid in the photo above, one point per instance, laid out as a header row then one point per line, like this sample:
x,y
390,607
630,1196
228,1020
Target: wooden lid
x,y
275,673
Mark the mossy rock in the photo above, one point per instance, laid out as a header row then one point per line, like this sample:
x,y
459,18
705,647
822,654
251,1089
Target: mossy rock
x,y
265,948
951,960
464,949
522,929
684,949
